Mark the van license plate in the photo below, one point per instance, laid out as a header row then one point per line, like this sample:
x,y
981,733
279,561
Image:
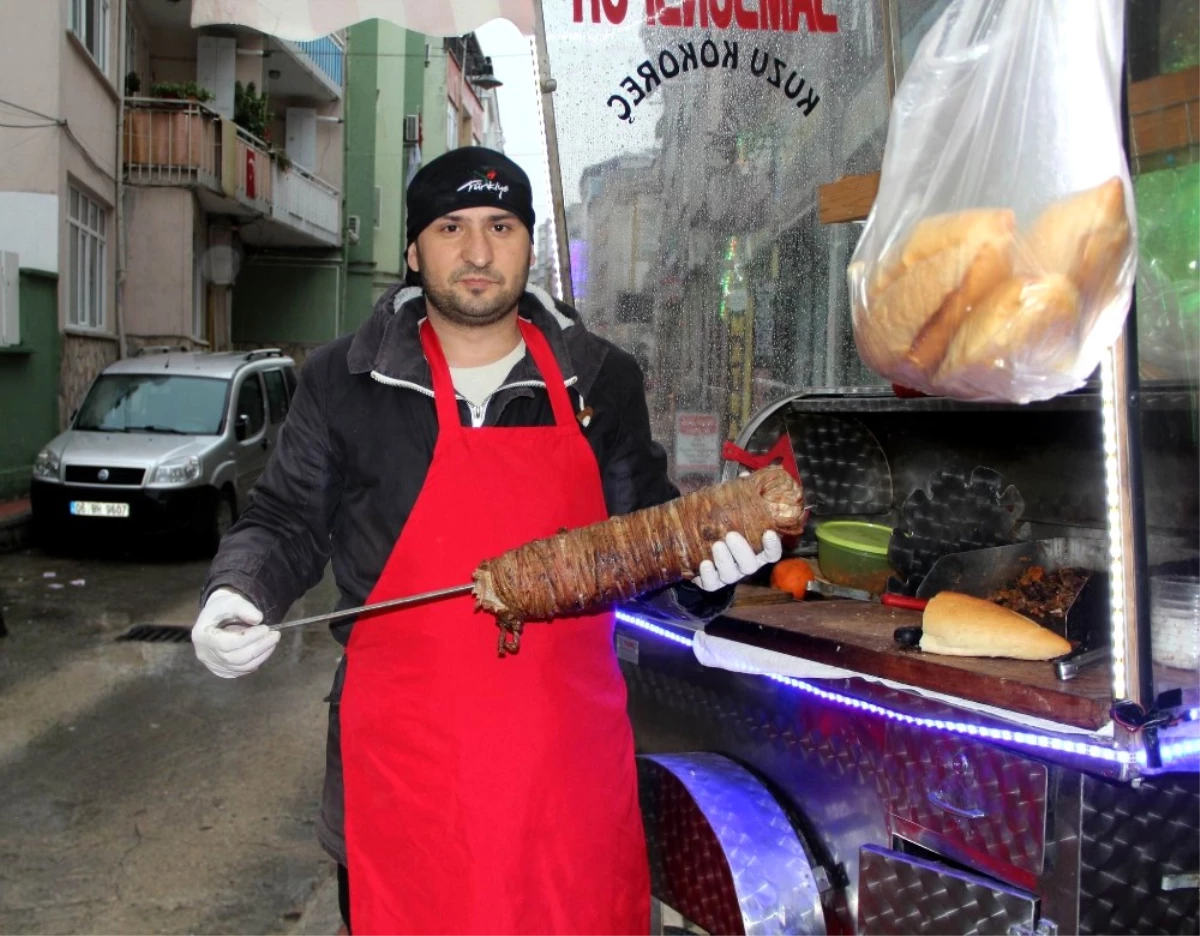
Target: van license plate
x,y
98,509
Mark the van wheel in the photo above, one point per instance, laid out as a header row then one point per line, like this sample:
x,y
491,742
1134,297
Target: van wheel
x,y
223,516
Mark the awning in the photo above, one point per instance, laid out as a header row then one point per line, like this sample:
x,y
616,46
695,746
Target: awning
x,y
310,19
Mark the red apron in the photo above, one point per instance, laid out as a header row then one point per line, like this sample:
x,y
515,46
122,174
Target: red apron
x,y
488,795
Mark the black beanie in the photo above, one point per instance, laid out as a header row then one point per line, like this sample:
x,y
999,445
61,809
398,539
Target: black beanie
x,y
468,177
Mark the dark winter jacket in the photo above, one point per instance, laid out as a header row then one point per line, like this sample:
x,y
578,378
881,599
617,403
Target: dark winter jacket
x,y
356,446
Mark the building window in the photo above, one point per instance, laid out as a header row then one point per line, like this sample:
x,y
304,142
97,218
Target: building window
x,y
86,232
451,126
132,51
89,21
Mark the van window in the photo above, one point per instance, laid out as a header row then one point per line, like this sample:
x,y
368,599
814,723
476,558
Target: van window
x,y
158,402
290,375
277,395
250,404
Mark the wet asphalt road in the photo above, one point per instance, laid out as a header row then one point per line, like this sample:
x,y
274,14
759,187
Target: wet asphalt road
x,y
138,792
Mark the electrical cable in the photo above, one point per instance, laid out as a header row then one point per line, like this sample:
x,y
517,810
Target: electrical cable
x,y
30,110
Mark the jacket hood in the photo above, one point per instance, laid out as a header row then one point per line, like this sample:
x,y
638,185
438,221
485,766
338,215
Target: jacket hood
x,y
388,344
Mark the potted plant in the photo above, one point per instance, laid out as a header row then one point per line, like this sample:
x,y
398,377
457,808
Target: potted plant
x,y
133,84
186,91
251,111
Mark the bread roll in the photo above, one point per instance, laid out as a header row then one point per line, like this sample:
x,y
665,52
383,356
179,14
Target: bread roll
x,y
969,230
991,267
1082,236
893,319
1026,323
959,625
1085,237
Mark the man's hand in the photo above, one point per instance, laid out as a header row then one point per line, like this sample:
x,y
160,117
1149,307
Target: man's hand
x,y
239,648
734,558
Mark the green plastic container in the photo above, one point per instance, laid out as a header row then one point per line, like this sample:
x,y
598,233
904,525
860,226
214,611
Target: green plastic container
x,y
855,554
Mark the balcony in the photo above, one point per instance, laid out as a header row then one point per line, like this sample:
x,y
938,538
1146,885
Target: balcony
x,y
313,70
328,54
184,144
174,143
308,203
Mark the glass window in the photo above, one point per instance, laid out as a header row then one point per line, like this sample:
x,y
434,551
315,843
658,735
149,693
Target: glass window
x,y
290,375
1163,55
87,225
132,39
89,22
691,149
250,405
277,395
154,403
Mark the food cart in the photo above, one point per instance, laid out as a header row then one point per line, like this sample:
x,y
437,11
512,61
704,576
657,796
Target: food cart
x,y
800,770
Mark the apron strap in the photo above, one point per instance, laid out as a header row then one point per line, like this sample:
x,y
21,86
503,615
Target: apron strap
x,y
446,399
547,364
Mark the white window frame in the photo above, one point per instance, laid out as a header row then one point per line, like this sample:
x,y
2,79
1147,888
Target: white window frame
x,y
88,20
87,279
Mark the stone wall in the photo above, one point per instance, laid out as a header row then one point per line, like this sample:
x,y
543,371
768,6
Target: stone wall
x,y
134,343
82,359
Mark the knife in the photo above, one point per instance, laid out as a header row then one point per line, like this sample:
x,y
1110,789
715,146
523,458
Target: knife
x,y
829,590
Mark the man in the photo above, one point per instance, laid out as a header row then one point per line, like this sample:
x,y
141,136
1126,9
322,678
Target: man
x,y
467,416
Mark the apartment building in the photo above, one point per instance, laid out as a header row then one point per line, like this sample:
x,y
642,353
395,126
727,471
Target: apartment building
x,y
162,185
159,185
408,101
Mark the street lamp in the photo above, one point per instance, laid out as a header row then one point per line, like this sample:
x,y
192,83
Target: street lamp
x,y
484,77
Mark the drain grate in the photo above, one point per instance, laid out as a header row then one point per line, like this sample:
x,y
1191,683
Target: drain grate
x,y
158,633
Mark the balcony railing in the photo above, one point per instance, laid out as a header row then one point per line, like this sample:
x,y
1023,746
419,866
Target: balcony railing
x,y
185,144
329,55
172,143
304,201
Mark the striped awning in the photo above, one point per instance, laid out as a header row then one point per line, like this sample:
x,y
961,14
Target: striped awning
x,y
310,19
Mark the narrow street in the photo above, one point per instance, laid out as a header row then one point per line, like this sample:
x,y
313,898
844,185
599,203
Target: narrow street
x,y
141,793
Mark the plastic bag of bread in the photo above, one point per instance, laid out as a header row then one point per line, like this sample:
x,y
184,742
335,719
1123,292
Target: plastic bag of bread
x,y
999,258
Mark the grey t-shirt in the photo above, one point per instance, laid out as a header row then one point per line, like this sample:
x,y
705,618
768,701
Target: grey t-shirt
x,y
476,384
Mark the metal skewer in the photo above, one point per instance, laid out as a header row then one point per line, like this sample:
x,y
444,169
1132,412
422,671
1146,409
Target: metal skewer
x,y
378,606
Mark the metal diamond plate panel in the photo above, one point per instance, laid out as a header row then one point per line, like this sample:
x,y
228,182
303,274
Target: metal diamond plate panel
x,y
977,803
822,761
1135,840
841,464
722,851
899,894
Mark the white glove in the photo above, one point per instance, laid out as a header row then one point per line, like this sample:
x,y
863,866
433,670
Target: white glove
x,y
734,559
238,648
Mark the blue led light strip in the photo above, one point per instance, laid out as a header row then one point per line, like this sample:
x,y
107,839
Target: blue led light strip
x,y
1173,751
1044,742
